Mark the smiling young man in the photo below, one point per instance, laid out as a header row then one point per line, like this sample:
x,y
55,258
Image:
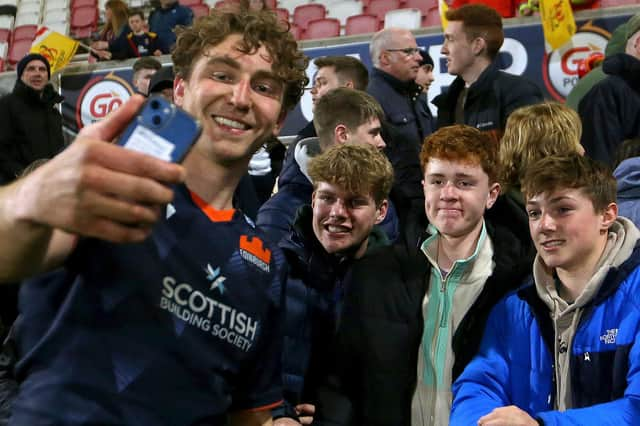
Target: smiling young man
x,y
482,95
32,127
351,184
182,324
414,316
564,349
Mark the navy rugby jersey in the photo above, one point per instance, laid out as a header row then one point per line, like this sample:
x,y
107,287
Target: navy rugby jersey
x,y
178,330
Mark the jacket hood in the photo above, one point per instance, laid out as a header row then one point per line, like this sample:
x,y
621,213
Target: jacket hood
x,y
625,66
627,175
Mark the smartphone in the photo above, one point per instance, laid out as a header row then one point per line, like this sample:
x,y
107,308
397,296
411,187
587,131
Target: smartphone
x,y
162,130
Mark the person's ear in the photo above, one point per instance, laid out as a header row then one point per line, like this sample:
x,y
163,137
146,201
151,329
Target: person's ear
x,y
382,211
494,192
609,215
178,90
341,134
478,45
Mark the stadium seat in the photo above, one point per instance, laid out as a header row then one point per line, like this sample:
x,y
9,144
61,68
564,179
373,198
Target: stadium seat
x,y
84,21
24,32
343,9
296,31
361,24
58,15
55,5
29,7
322,28
84,3
17,50
380,8
423,5
290,5
304,13
199,10
28,18
6,22
5,35
432,19
271,4
60,27
409,19
282,14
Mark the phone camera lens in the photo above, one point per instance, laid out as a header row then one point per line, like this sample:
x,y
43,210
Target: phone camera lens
x,y
155,104
156,120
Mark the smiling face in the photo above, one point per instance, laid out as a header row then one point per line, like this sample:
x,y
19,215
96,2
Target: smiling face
x,y
566,230
457,49
342,221
236,97
35,75
457,195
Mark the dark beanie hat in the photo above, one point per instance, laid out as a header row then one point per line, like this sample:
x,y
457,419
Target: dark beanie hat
x,y
426,59
30,57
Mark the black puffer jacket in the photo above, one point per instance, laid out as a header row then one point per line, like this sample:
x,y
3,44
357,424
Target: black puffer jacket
x,y
31,129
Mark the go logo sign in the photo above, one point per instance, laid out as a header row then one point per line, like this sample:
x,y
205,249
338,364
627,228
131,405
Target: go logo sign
x,y
99,97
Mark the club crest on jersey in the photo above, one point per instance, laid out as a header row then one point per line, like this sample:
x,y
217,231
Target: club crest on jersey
x,y
217,280
253,251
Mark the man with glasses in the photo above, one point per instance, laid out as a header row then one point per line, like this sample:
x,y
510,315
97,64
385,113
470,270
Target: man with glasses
x,y
396,59
482,95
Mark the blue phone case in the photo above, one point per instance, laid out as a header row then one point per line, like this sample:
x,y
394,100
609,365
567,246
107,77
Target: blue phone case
x,y
162,130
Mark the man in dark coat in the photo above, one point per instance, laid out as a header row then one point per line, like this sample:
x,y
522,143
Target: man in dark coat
x,y
610,111
482,95
396,59
351,184
32,127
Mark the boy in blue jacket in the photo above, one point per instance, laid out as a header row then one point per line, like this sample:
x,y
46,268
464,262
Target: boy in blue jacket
x,y
564,348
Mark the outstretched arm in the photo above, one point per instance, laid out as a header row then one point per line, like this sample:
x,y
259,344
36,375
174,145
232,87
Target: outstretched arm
x,y
93,188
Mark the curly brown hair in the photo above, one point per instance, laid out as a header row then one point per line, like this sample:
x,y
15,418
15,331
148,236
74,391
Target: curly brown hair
x,y
462,143
357,168
258,28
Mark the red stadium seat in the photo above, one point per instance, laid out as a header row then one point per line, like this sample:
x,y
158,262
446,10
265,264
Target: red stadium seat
x,y
17,50
380,8
322,28
83,3
307,12
423,5
5,35
361,24
271,4
199,10
84,21
432,19
296,31
24,32
282,14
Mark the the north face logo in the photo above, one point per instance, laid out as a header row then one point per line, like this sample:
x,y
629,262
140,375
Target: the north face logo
x,y
610,336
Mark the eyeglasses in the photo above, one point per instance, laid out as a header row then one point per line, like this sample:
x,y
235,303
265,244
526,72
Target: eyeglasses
x,y
407,50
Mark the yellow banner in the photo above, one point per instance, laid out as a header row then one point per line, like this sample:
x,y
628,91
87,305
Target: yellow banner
x,y
442,9
57,48
557,22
